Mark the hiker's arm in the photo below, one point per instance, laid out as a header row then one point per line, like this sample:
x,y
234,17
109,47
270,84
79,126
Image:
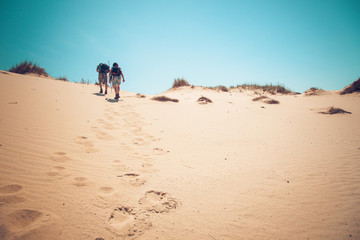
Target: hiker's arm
x,y
123,77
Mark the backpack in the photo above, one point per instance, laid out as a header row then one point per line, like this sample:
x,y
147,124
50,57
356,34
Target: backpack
x,y
115,71
104,68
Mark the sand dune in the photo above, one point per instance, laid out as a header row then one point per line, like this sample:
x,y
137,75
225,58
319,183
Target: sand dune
x,y
75,164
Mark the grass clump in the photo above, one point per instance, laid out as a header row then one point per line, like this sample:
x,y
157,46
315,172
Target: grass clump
x,y
139,95
180,83
271,101
269,88
28,67
62,78
259,98
266,100
334,110
204,100
164,99
354,87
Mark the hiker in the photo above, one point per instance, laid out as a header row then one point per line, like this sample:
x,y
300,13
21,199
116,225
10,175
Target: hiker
x,y
103,70
115,77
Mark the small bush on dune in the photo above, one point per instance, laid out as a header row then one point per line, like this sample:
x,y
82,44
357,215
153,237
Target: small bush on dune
x,y
219,88
354,87
180,83
204,100
139,95
259,98
334,110
28,67
164,99
271,101
269,88
61,78
266,100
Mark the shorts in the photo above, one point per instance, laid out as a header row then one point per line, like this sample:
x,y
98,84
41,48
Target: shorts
x,y
116,80
103,77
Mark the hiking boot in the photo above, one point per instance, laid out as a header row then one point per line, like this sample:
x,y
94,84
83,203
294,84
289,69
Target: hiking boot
x,y
117,96
100,90
105,91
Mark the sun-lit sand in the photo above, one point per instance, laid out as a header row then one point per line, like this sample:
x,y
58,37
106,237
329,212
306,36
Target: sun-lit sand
x,y
76,165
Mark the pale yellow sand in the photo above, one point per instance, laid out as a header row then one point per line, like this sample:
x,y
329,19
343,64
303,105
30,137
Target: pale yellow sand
x,y
76,166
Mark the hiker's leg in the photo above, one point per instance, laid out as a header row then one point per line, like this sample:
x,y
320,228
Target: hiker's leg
x,y
100,81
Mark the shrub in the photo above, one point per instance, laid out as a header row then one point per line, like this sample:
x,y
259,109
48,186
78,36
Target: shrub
x,y
265,99
28,67
271,101
219,88
334,110
180,83
139,95
259,98
354,87
204,100
269,88
164,99
62,78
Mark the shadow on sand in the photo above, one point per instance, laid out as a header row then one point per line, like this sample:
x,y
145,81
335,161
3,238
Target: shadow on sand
x,y
112,100
99,94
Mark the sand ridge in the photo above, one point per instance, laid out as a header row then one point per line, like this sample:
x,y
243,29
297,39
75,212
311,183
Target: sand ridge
x,y
76,165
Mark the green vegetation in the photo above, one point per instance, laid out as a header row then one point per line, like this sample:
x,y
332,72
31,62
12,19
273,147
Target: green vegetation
x,y
28,67
269,88
180,83
164,99
354,87
62,78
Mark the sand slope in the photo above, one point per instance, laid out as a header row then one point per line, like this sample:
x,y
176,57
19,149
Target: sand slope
x,y
74,165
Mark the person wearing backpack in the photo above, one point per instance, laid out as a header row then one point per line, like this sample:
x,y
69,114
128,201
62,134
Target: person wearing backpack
x,y
103,70
116,75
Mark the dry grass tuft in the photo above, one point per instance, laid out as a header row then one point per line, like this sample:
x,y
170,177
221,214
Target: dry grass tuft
x,y
266,100
268,88
28,67
354,87
334,110
164,99
314,92
220,88
271,101
259,98
180,83
62,78
139,95
204,100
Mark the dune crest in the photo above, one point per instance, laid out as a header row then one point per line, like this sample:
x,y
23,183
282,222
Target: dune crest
x,y
75,165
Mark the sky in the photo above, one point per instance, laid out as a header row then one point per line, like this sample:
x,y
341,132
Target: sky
x,y
295,43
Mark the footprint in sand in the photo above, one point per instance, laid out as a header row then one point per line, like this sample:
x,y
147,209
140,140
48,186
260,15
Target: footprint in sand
x,y
13,188
22,218
128,222
133,179
10,200
121,167
87,145
106,190
59,157
60,168
80,181
104,136
158,202
58,171
139,141
10,189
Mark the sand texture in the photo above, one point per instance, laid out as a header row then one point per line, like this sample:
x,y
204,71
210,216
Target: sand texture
x,y
75,164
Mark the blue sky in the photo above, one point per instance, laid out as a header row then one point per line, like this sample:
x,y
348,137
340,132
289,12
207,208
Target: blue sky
x,y
299,44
